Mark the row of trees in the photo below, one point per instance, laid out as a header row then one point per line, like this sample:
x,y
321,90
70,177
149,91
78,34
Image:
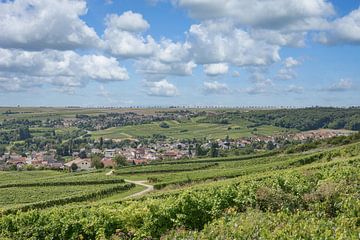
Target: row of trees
x,y
301,119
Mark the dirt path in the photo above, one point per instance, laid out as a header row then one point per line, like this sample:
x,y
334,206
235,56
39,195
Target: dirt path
x,y
148,189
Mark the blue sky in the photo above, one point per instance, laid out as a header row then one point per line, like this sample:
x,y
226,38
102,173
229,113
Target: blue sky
x,y
180,52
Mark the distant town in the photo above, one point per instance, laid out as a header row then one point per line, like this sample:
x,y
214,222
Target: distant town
x,y
145,154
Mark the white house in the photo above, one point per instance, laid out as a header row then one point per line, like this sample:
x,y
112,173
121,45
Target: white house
x,y
82,164
110,153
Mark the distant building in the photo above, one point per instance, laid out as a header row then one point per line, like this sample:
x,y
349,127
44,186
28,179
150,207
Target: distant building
x,y
173,154
110,153
138,161
16,160
95,151
108,163
82,164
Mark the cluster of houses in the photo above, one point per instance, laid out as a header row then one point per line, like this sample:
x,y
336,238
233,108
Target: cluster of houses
x,y
145,154
320,134
139,155
36,159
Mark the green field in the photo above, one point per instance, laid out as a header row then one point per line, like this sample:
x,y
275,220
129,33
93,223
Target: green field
x,y
23,195
43,113
188,130
31,188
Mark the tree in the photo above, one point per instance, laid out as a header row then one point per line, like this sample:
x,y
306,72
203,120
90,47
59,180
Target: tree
x,y
214,151
101,142
120,160
73,167
164,125
270,145
2,150
199,151
82,154
224,121
96,161
24,133
227,141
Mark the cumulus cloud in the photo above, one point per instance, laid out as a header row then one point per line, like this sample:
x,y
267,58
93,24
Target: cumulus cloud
x,y
291,62
169,58
156,69
236,74
257,74
216,69
65,69
220,41
261,87
43,24
128,21
287,72
264,14
172,52
215,88
343,30
294,89
341,86
123,36
128,45
161,88
280,37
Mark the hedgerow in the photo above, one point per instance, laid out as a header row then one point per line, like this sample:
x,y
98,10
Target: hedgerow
x,y
69,183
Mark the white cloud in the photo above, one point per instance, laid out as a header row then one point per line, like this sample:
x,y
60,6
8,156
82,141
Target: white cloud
x,y
172,52
15,83
102,68
124,39
343,30
262,87
169,58
43,24
295,89
257,74
129,45
235,74
280,38
161,88
341,86
216,69
220,41
260,13
287,72
128,21
153,68
291,62
59,68
215,88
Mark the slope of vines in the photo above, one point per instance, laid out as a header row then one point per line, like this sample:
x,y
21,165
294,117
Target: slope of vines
x,y
322,194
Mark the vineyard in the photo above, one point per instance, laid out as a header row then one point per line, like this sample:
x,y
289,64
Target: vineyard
x,y
311,195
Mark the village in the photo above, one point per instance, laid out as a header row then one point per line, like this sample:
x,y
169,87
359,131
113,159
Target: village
x,y
145,154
